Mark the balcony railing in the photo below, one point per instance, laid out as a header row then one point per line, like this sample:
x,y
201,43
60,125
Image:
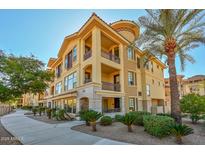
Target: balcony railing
x,y
110,57
87,55
87,80
110,86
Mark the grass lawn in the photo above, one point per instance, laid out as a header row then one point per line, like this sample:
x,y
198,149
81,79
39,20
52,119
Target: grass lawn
x,y
118,131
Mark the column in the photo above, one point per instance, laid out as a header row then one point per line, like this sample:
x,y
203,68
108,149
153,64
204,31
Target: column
x,y
77,105
122,105
122,68
96,49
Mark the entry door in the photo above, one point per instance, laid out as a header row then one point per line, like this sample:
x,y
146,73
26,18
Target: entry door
x,y
116,79
105,105
117,103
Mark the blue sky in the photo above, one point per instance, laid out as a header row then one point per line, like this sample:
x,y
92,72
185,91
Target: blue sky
x,y
41,32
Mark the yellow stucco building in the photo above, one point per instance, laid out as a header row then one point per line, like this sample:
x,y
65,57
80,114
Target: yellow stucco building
x,y
97,69
194,84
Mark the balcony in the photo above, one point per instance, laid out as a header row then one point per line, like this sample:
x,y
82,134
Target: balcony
x,y
110,86
87,80
87,55
110,57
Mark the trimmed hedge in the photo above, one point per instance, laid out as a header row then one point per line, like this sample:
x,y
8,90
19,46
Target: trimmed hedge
x,y
118,117
139,117
106,120
164,114
157,125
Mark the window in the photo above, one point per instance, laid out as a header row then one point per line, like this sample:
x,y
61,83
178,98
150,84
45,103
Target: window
x,y
70,105
152,81
74,54
148,89
131,104
66,61
138,62
70,81
130,54
159,83
147,65
152,67
131,78
139,93
70,58
58,89
58,71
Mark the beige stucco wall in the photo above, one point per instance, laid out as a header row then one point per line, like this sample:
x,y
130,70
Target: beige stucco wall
x,y
96,60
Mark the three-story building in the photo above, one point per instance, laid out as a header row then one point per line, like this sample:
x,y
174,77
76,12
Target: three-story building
x,y
97,69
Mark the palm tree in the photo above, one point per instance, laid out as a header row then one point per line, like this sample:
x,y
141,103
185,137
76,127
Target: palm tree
x,y
168,34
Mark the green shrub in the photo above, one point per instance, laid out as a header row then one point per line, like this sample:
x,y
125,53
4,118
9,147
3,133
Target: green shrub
x,y
58,114
118,117
164,114
41,110
93,116
179,131
128,120
194,105
27,108
34,110
157,125
106,120
139,117
49,113
83,116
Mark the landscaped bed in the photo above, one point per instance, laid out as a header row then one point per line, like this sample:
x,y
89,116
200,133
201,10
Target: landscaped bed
x,y
44,118
118,131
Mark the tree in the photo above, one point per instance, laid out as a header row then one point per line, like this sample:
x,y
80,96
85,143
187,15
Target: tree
x,y
194,105
168,34
128,120
93,116
21,75
179,130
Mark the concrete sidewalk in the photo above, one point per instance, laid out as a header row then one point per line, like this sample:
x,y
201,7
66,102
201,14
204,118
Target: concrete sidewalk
x,y
31,131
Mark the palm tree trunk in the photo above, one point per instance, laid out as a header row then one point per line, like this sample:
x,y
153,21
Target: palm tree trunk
x,y
93,124
175,106
129,128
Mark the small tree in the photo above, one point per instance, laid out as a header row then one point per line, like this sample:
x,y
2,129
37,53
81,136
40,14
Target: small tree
x,y
179,131
83,116
93,116
34,110
194,105
128,120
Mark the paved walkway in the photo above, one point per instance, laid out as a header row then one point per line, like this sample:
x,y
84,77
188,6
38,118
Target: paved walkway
x,y
31,131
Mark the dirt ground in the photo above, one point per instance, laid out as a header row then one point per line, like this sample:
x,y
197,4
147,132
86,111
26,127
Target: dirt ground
x,y
118,131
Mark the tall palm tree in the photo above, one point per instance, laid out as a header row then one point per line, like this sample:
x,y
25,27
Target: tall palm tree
x,y
168,34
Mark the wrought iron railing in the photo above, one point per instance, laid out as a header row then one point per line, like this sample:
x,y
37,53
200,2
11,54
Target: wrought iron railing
x,y
87,55
110,86
110,57
88,80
